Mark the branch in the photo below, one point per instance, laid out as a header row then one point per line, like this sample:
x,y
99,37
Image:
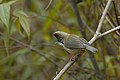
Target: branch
x,y
109,18
116,15
95,37
100,23
109,31
33,49
68,65
112,25
48,5
79,20
82,30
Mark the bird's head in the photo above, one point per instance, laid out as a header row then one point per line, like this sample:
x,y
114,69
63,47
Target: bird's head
x,y
60,35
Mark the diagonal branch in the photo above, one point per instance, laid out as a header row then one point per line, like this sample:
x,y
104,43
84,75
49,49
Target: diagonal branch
x,y
95,37
68,65
109,31
79,20
100,23
82,30
48,5
116,15
33,49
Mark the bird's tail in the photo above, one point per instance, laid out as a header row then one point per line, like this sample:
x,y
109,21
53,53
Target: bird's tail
x,y
90,48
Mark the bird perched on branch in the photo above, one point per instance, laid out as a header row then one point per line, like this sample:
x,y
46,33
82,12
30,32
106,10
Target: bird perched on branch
x,y
73,43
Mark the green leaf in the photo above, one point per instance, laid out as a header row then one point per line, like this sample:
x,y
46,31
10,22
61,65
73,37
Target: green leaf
x,y
5,18
11,2
17,23
23,19
5,14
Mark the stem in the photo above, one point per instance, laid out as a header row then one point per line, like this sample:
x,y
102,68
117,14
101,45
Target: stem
x,y
79,20
95,37
68,65
109,31
33,49
100,23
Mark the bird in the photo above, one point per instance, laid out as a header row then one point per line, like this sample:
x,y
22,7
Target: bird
x,y
73,43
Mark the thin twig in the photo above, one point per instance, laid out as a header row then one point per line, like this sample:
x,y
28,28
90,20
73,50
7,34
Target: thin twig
x,y
112,25
68,65
34,49
95,37
100,23
48,4
82,30
37,51
108,32
109,19
88,27
95,65
116,15
102,43
79,20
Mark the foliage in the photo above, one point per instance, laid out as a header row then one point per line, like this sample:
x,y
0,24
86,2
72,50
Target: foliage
x,y
29,22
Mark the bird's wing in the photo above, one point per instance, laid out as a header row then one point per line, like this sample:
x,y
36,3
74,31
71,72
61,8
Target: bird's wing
x,y
73,42
84,41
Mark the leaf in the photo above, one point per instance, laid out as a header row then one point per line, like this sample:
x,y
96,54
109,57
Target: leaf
x,y
23,19
18,27
5,14
11,2
5,18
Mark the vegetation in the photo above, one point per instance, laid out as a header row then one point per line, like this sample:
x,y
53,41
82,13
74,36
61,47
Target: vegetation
x,y
28,49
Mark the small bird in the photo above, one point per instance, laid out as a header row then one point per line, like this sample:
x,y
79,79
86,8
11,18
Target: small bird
x,y
73,43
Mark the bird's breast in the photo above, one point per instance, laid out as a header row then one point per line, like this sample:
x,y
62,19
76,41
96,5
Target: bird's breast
x,y
71,51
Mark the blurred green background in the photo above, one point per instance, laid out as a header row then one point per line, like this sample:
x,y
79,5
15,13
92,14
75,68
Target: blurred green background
x,y
33,22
